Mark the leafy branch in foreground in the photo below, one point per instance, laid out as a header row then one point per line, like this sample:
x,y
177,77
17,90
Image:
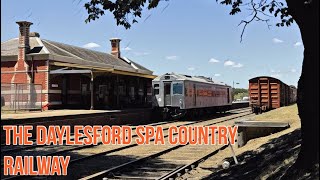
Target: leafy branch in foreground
x,y
260,10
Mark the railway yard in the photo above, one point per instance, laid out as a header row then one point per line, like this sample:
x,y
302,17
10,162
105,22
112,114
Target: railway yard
x,y
132,160
70,112
192,121
166,161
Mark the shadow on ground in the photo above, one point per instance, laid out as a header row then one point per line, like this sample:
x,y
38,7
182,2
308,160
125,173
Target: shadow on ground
x,y
269,161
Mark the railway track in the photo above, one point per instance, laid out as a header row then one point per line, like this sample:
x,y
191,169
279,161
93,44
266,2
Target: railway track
x,y
44,150
169,163
87,153
12,148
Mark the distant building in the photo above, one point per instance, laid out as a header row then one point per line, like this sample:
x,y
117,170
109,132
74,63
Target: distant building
x,y
245,99
68,73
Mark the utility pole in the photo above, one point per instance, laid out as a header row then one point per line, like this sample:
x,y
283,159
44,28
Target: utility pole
x,y
233,84
233,88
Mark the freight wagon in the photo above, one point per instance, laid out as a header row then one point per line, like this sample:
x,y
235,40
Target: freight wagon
x,y
293,94
177,95
268,93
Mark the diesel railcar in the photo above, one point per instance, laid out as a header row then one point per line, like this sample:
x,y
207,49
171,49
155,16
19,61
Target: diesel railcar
x,y
268,93
177,95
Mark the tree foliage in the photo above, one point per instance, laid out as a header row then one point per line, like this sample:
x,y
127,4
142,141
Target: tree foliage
x,y
240,96
240,90
121,9
127,12
239,93
306,15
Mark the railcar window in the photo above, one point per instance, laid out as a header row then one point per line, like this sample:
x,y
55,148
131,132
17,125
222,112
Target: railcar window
x,y
155,91
177,88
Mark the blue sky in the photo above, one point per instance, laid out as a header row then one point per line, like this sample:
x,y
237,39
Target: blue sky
x,y
184,36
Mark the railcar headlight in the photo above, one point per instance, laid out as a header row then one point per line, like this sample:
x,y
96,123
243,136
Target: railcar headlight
x,y
159,99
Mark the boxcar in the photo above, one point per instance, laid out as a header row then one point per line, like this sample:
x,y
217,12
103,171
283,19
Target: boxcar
x,y
268,93
293,94
175,95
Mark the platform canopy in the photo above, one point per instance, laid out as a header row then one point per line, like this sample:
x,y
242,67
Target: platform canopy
x,y
71,71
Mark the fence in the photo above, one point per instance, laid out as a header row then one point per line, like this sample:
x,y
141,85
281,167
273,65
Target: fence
x,y
15,97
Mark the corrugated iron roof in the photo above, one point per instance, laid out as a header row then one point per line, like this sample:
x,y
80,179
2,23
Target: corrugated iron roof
x,y
81,55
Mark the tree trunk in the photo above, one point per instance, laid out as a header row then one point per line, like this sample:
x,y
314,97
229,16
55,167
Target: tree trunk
x,y
306,14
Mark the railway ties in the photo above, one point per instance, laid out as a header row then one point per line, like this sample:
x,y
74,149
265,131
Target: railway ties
x,y
171,160
85,160
177,161
12,149
15,148
44,150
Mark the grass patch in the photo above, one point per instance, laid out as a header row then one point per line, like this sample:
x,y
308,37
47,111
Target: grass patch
x,y
287,113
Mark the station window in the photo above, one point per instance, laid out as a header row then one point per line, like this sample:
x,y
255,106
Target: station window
x,y
177,88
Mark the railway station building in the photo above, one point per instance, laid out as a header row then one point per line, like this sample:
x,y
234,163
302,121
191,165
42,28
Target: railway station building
x,y
36,72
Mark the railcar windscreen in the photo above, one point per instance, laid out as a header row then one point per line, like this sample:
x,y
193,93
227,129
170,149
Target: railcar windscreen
x,y
177,88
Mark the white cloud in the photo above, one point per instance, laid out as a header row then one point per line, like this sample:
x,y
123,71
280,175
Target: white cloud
x,y
212,60
297,44
229,63
276,75
293,70
191,68
127,49
233,64
276,40
91,45
216,75
141,53
172,57
275,71
238,65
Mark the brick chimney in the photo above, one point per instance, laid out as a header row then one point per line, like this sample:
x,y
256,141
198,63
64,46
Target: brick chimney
x,y
115,47
23,49
24,30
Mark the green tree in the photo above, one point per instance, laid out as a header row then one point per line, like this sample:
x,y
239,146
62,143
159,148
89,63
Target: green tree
x,y
304,12
240,90
239,93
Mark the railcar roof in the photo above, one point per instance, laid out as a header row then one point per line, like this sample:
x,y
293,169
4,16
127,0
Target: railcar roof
x,y
183,77
268,77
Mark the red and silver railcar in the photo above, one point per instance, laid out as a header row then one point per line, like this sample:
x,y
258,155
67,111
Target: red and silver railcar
x,y
177,95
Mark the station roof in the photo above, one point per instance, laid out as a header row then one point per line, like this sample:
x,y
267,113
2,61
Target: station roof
x,y
61,54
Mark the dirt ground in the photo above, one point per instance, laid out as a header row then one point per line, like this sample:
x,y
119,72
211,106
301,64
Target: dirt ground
x,y
261,158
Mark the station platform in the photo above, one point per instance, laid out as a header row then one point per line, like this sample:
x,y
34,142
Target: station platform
x,y
77,117
51,113
250,129
67,115
239,104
